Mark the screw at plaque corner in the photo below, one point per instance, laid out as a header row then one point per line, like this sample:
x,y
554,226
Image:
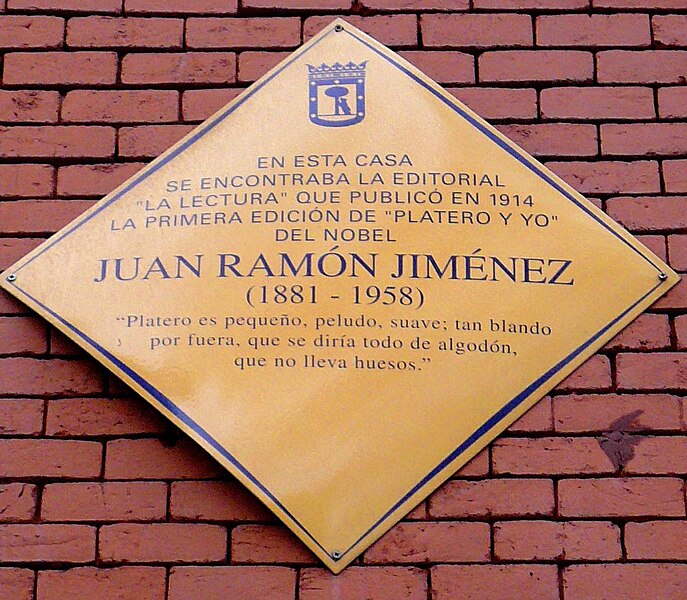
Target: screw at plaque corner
x,y
336,555
12,277
662,276
337,28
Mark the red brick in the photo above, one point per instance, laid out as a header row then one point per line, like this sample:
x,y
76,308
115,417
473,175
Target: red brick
x,y
112,501
19,416
239,583
49,458
190,67
47,543
646,332
162,542
610,177
149,141
593,30
20,31
243,33
99,6
29,106
657,540
597,103
18,502
432,542
478,466
302,4
405,5
253,65
31,32
531,4
493,498
649,66
11,250
10,305
655,371
608,412
120,106
16,584
646,4
102,416
54,377
391,30
658,456
609,582
542,65
443,66
676,298
554,139
648,139
621,497
593,374
39,216
57,141
222,7
268,544
675,175
198,105
537,418
650,213
681,330
655,243
94,180
476,30
554,455
120,583
215,501
22,335
419,513
60,68
117,388
550,540
59,344
129,32
151,459
496,582
371,583
672,102
499,103
670,30
26,180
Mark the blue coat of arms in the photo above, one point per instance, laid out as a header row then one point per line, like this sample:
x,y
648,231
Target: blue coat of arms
x,y
337,94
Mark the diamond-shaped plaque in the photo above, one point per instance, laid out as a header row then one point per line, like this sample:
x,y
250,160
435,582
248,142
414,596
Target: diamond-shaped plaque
x,y
342,285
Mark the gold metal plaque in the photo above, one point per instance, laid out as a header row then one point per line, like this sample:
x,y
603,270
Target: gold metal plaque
x,y
343,285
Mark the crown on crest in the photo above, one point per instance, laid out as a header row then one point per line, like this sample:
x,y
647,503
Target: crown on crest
x,y
337,70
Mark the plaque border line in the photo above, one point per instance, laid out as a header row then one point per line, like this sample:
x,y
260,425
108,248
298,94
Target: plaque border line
x,y
514,152
156,164
500,415
493,421
482,430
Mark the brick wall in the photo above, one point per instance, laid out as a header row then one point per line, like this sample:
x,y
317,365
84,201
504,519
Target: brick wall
x,y
582,498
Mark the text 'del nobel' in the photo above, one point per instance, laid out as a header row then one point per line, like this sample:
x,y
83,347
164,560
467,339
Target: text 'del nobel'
x,y
343,285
